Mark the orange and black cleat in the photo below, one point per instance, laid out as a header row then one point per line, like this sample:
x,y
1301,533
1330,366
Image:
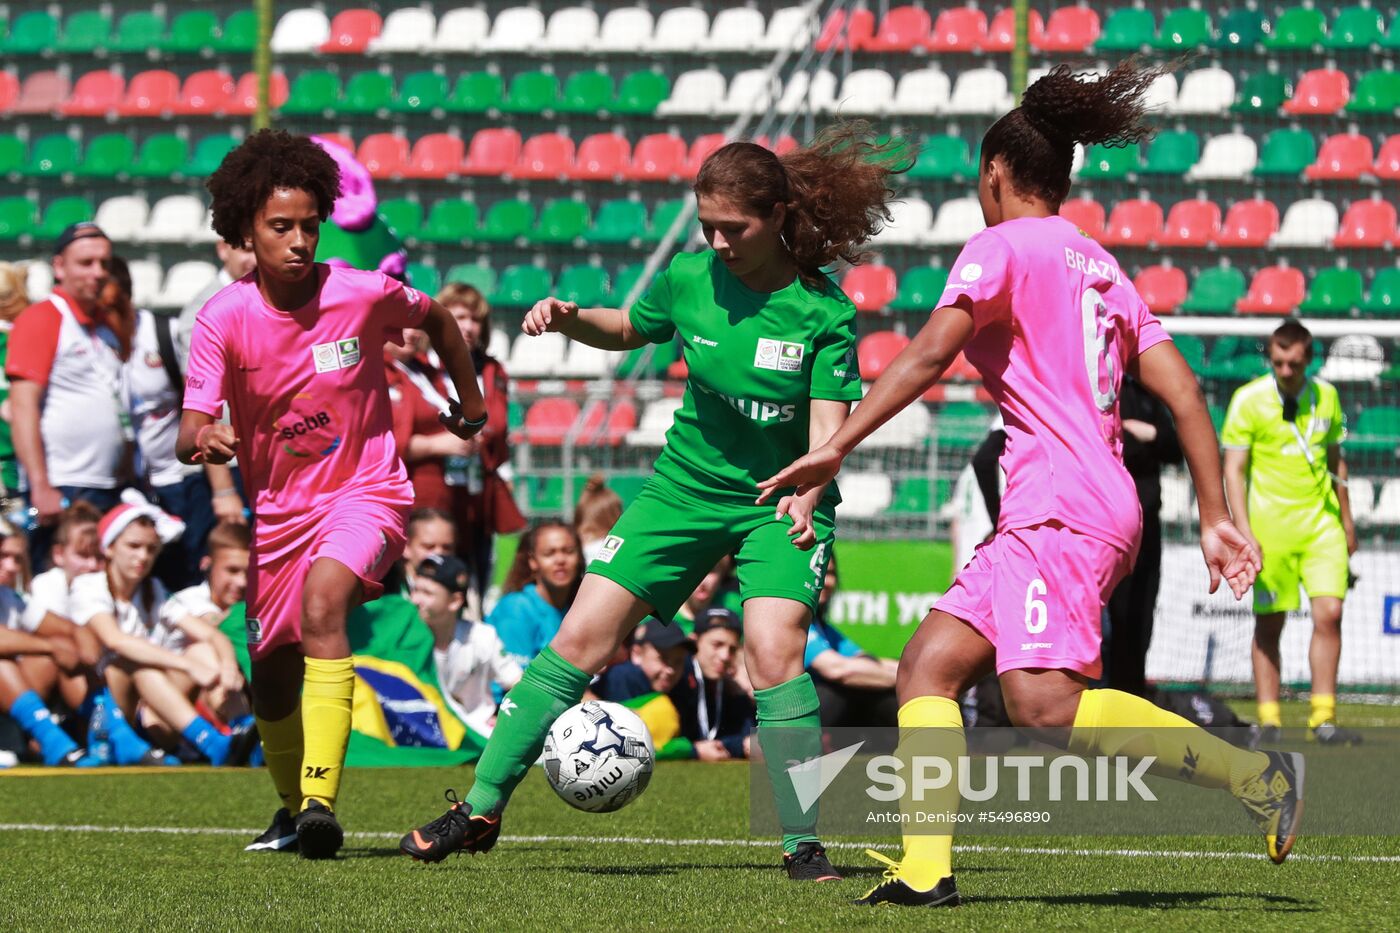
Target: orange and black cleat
x,y
455,831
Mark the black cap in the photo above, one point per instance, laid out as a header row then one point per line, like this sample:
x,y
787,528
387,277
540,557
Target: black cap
x,y
446,570
661,636
82,230
719,617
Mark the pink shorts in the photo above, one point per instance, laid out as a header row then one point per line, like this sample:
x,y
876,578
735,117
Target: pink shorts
x,y
1037,594
364,534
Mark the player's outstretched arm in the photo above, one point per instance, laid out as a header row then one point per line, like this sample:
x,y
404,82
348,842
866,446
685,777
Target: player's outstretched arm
x,y
204,440
604,328
466,417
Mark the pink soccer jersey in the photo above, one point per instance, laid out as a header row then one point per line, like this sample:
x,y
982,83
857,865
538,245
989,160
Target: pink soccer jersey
x,y
1056,325
306,389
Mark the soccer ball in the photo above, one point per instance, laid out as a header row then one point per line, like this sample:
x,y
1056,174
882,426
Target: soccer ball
x,y
598,756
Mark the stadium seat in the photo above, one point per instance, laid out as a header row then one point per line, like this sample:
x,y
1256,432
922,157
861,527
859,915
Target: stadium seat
x,y
1069,29
680,29
84,32
570,28
640,93
1367,224
301,31
619,220
108,156
192,33
622,284
1309,222
1320,91
1383,298
871,288
384,155
541,356
601,157
123,217
961,425
877,350
150,93
903,29
1128,29
701,148
664,215
920,91
1356,27
1248,224
145,281
1241,28
1362,493
403,217
549,420
477,92
943,157
462,30
367,92
622,415
1297,28
95,94
420,92
1378,431
239,33
1388,159
910,220
1346,156
1191,223
42,92
533,92
204,93
1108,163
62,212
1161,94
749,90
656,420
790,27
625,29
52,155
1263,92
958,29
587,285
919,289
736,29
958,219
1354,358
162,156
492,152
245,95
521,286
178,218
562,220
1333,293
842,31
807,92
658,157
865,495
406,30
1172,153
1215,291
313,93
588,92
507,221
1286,152
1162,288
1001,33
450,220
1205,91
699,92
478,275
18,217
979,91
437,155
548,155
1274,290
1377,92
183,281
909,429
13,153
1183,29
31,33
1086,214
9,90
1133,223
866,91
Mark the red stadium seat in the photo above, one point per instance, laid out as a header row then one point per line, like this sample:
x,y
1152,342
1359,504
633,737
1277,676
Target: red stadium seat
x,y
1248,224
1275,290
1346,155
548,421
870,287
351,31
658,157
548,155
1323,90
43,92
701,148
9,90
1001,34
96,94
1388,159
492,152
1069,29
1191,223
1367,224
1086,214
960,29
1163,288
245,96
340,139
1133,223
437,155
602,156
960,370
835,33
903,29
618,421
785,144
384,154
150,94
876,351
205,92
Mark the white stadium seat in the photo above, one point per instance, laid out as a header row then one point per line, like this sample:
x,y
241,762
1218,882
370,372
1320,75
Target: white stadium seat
x,y
866,91
410,29
625,29
910,221
911,427
462,30
1205,90
1354,358
789,28
1232,155
499,346
750,91
145,282
924,90
515,29
571,28
585,362
807,92
124,217
980,90
39,282
176,219
958,219
736,29
1310,222
1387,510
864,495
184,281
206,233
301,31
537,357
1362,493
1176,498
695,92
680,29
656,420
1161,94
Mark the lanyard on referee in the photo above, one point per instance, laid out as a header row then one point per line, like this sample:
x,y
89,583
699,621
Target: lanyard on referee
x,y
1304,443
703,713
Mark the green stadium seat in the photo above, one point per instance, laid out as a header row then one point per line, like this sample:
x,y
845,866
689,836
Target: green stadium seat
x,y
162,156
532,92
961,425
1356,27
12,153
515,415
662,355
451,221
662,217
139,31
366,92
1391,39
1235,359
1298,28
108,156
1215,291
1172,153
60,213
1377,91
585,284
1333,293
478,276
506,221
239,33
1183,29
1383,300
18,217
1286,152
918,495
586,92
477,92
192,32
1263,91
628,485
1192,349
1377,430
31,33
209,152
313,93
562,220
55,154
641,92
920,289
421,92
403,217
620,220
424,277
1127,30
1103,162
943,157
622,283
1241,28
521,286
544,495
86,31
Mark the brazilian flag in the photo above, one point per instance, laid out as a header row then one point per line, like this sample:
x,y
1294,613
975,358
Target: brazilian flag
x,y
400,717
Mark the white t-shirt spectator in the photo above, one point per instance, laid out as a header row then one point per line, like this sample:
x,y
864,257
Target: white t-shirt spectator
x,y
191,601
468,666
90,596
155,406
48,592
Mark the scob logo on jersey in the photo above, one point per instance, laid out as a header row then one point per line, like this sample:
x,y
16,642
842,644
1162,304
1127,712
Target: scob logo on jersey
x,y
307,430
778,355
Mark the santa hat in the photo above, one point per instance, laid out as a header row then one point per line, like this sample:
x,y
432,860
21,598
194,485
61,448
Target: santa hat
x,y
134,506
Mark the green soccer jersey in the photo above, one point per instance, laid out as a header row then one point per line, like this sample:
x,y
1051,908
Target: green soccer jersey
x,y
755,362
1289,485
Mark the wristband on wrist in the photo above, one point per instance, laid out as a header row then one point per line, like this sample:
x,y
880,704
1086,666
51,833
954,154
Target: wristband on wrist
x,y
225,492
475,424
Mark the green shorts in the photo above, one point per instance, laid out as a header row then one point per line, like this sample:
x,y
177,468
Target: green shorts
x,y
669,538
1318,561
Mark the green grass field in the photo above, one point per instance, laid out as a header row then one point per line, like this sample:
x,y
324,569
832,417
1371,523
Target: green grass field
x,y
125,850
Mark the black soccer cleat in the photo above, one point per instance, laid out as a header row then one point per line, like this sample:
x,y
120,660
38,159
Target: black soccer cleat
x,y
281,836
896,892
1264,735
243,741
455,831
1329,733
1274,799
809,863
318,833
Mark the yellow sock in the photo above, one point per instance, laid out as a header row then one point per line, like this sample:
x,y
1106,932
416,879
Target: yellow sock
x,y
929,858
1324,709
1113,723
1270,714
326,699
282,747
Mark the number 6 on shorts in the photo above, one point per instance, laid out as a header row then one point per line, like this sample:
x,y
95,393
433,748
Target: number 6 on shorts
x,y
1035,608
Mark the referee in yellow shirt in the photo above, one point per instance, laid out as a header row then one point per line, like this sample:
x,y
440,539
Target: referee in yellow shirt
x,y
1282,439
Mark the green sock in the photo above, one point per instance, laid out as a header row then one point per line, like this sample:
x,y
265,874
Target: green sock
x,y
550,686
789,730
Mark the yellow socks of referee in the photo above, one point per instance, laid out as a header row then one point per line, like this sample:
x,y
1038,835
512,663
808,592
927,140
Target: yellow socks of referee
x,y
929,726
282,747
1324,709
1113,723
327,694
